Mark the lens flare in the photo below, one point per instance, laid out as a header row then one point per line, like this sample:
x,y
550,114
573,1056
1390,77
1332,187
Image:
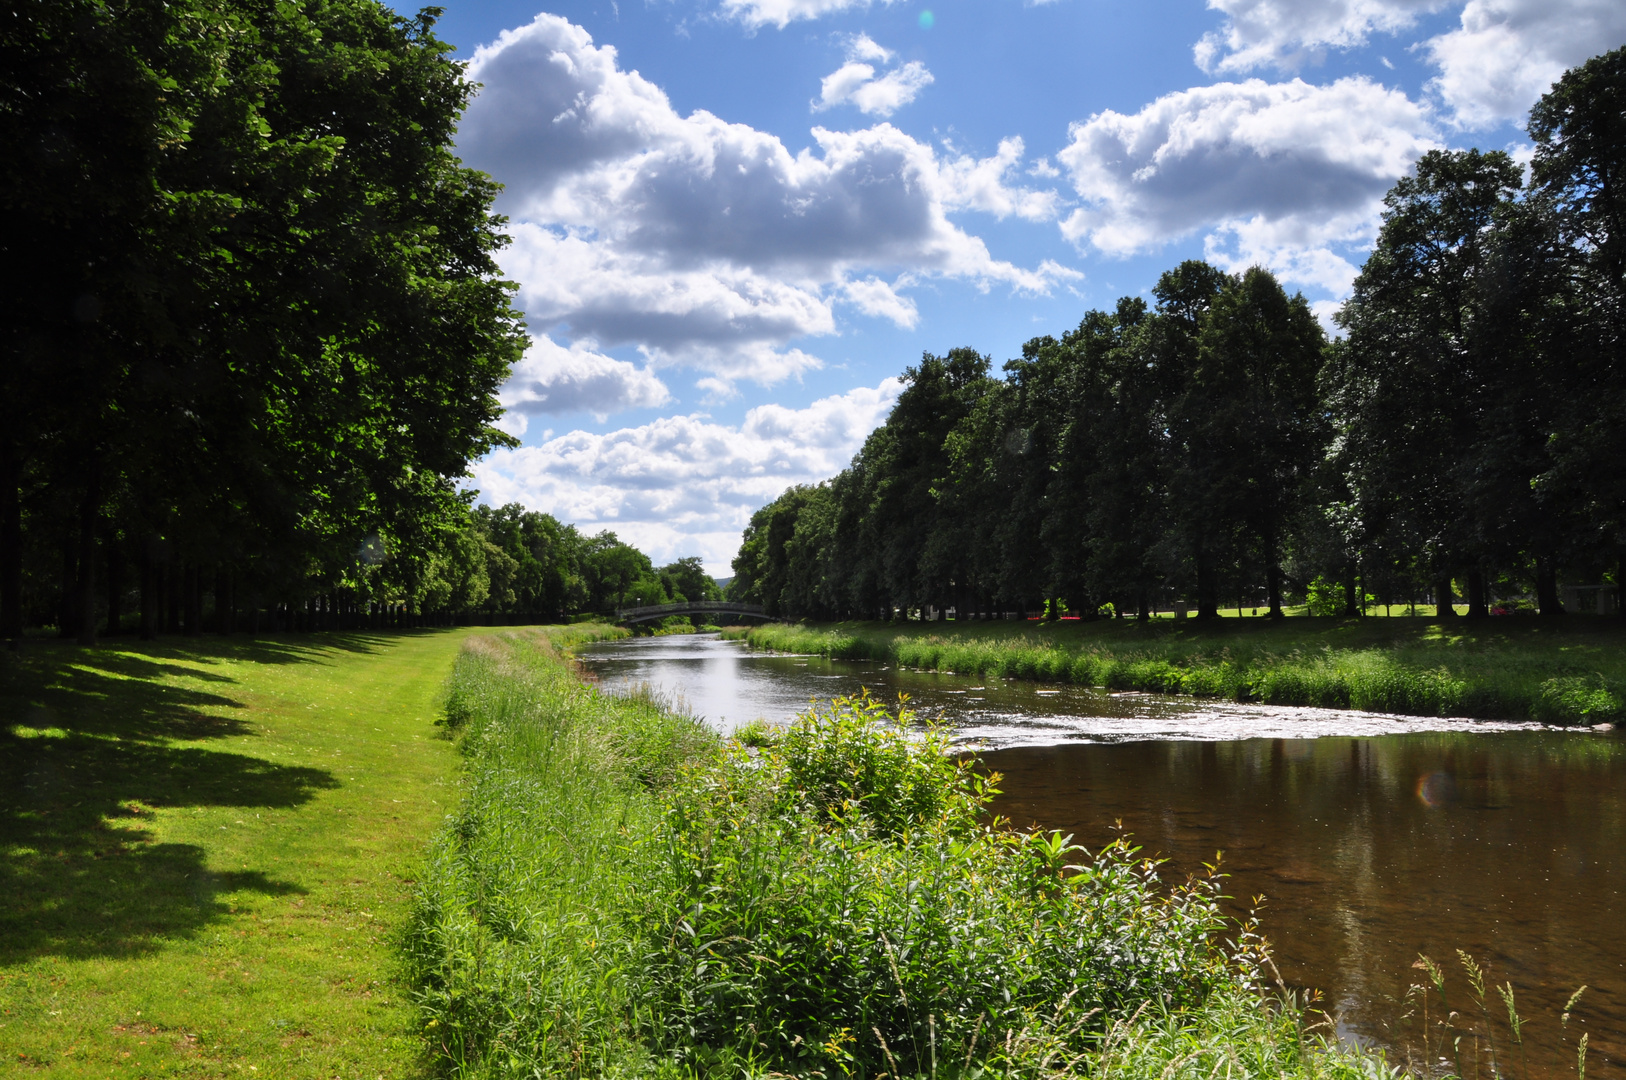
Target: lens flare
x,y
1436,788
926,20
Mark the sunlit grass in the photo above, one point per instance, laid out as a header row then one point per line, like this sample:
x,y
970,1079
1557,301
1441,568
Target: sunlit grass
x,y
624,893
206,847
1563,672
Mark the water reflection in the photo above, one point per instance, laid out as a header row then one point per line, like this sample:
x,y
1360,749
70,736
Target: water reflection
x,y
1378,839
730,686
1370,851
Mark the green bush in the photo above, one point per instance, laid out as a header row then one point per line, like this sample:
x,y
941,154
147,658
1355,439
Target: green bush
x,y
838,903
621,893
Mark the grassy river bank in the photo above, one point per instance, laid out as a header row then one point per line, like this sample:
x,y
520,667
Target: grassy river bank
x,y
622,892
215,864
1563,671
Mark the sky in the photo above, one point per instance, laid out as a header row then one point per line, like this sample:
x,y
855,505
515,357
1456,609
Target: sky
x,y
734,223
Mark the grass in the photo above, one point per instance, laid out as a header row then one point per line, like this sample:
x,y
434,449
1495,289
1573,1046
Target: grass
x,y
623,893
1565,671
208,847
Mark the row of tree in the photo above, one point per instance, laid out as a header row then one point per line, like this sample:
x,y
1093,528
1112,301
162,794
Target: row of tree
x,y
254,326
1466,432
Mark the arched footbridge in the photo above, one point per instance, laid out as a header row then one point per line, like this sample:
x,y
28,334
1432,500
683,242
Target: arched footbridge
x,y
650,612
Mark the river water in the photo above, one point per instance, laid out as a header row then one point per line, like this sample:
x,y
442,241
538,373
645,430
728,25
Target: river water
x,y
1372,839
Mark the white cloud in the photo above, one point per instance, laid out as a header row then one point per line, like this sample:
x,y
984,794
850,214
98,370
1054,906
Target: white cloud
x,y
863,47
684,482
1288,34
1492,68
1272,172
854,83
979,184
706,243
781,13
552,379
1507,53
880,299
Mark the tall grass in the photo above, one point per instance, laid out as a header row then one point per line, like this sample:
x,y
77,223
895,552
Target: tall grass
x,y
1422,676
623,893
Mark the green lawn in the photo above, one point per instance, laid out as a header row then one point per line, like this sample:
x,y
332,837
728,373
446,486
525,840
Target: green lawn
x,y
208,845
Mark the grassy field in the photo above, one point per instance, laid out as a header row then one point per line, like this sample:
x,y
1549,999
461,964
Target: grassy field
x,y
1566,671
208,846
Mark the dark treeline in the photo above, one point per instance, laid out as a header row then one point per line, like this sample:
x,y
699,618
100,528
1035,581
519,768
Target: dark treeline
x,y
255,332
254,328
1465,435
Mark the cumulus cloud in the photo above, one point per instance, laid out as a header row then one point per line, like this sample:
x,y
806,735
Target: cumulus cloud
x,y
1507,53
781,13
855,83
685,482
704,242
552,379
1287,34
1492,68
1272,172
980,184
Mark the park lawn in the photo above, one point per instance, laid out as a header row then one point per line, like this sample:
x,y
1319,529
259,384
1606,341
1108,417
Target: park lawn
x,y
206,846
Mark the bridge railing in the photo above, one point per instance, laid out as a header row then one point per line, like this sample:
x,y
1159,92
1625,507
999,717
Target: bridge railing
x,y
695,607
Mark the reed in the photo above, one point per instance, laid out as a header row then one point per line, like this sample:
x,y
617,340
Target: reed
x,y
621,892
1520,669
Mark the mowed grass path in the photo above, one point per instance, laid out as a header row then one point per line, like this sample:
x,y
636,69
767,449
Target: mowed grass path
x,y
205,847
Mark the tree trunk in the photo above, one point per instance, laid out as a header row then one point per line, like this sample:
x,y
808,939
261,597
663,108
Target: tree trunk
x,y
1143,603
1477,606
223,601
1273,588
149,598
1444,600
89,513
172,597
11,542
194,599
1207,587
67,626
1547,600
1352,588
115,584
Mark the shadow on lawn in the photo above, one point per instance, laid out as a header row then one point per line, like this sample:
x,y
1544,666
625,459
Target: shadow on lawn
x,y
87,752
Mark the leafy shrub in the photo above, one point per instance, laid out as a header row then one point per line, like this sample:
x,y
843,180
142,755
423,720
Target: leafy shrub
x,y
1571,699
621,894
835,905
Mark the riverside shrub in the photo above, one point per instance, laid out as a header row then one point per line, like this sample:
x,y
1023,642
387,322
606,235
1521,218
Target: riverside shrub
x,y
622,893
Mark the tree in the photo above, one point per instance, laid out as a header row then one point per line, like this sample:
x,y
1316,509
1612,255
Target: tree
x,y
686,579
242,243
1409,389
1251,416
1579,131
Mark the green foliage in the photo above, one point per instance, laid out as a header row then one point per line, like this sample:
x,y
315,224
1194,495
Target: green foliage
x,y
1213,446
621,893
1412,673
1324,597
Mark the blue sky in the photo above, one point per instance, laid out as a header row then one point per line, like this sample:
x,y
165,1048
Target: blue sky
x,y
735,222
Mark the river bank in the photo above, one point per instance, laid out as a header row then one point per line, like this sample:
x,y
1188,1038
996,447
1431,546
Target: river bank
x,y
1564,671
624,891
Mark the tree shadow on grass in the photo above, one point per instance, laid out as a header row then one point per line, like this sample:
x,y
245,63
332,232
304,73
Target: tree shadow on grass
x,y
87,751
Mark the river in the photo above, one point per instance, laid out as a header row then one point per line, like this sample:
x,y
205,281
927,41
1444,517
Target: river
x,y
1372,839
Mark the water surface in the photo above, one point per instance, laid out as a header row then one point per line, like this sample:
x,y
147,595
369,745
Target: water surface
x,y
1371,838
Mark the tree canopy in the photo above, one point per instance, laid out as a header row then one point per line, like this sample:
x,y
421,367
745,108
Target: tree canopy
x,y
1463,433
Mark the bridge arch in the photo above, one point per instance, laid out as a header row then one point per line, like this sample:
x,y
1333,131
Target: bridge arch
x,y
651,612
